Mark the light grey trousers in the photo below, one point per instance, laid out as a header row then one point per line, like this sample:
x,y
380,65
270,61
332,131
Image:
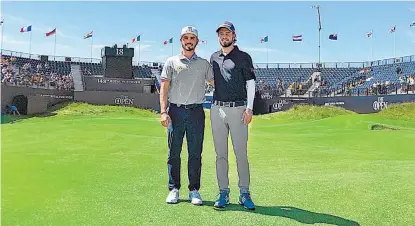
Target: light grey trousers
x,y
225,120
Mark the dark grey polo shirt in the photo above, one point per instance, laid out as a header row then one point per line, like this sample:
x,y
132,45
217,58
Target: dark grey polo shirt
x,y
231,73
187,79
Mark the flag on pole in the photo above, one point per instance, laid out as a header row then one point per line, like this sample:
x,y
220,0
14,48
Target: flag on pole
x,y
333,37
264,39
137,39
51,33
26,29
89,35
412,24
297,38
168,41
393,29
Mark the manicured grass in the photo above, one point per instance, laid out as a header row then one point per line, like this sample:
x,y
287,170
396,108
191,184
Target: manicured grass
x,y
102,165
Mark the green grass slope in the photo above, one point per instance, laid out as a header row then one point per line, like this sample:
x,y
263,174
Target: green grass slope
x,y
100,165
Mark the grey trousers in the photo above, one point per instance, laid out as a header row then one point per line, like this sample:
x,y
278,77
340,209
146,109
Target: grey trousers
x,y
223,120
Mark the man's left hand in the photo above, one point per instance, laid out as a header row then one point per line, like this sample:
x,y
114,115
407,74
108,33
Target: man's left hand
x,y
247,116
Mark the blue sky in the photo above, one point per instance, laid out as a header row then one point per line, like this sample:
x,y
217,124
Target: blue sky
x,y
119,22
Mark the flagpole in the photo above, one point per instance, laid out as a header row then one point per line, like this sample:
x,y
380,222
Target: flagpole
x,y
92,43
2,32
54,49
139,50
302,55
266,47
394,44
319,32
371,41
30,45
172,49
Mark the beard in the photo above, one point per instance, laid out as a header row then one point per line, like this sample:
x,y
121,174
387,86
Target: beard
x,y
225,43
188,47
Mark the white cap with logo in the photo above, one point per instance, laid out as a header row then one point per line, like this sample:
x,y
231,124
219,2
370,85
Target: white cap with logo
x,y
189,30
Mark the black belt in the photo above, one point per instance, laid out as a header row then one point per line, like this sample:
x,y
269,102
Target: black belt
x,y
229,104
187,106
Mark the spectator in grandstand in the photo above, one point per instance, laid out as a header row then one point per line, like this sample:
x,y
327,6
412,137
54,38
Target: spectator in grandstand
x,y
36,77
233,97
183,84
280,86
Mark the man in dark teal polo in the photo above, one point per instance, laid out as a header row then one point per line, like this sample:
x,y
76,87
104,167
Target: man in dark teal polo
x,y
231,111
183,85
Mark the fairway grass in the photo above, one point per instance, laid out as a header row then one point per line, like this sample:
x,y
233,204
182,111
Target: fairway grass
x,y
106,165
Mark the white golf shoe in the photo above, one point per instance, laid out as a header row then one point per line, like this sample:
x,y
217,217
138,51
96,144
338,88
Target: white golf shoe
x,y
173,196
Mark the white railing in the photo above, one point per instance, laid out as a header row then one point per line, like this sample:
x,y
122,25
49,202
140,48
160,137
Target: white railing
x,y
259,65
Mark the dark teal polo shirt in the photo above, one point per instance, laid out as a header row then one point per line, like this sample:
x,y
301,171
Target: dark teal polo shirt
x,y
231,73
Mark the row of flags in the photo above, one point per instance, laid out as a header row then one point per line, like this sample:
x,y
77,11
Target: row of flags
x,y
295,38
50,33
169,41
29,29
299,38
89,35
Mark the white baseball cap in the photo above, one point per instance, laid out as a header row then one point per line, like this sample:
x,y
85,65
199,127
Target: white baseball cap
x,y
189,30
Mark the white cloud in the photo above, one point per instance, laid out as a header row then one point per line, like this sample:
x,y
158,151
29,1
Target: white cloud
x,y
37,26
258,49
143,47
98,46
412,9
411,35
16,19
13,41
148,41
59,32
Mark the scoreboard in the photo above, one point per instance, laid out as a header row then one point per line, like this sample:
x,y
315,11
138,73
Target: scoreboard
x,y
117,62
117,52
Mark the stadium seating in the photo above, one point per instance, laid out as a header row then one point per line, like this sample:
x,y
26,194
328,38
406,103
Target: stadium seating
x,y
58,67
91,68
35,73
354,80
270,76
143,71
336,76
386,74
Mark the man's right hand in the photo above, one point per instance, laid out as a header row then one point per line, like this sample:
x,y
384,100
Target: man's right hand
x,y
165,119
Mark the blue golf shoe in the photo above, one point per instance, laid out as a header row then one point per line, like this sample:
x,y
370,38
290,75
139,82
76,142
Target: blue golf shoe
x,y
246,201
223,199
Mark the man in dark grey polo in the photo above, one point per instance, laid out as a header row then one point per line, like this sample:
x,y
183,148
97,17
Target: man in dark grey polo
x,y
231,111
183,82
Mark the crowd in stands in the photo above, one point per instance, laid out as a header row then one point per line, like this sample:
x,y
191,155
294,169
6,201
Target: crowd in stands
x,y
340,88
33,73
381,88
265,87
372,80
407,83
299,88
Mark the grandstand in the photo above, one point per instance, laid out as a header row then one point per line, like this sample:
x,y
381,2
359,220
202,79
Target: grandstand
x,y
29,72
331,79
